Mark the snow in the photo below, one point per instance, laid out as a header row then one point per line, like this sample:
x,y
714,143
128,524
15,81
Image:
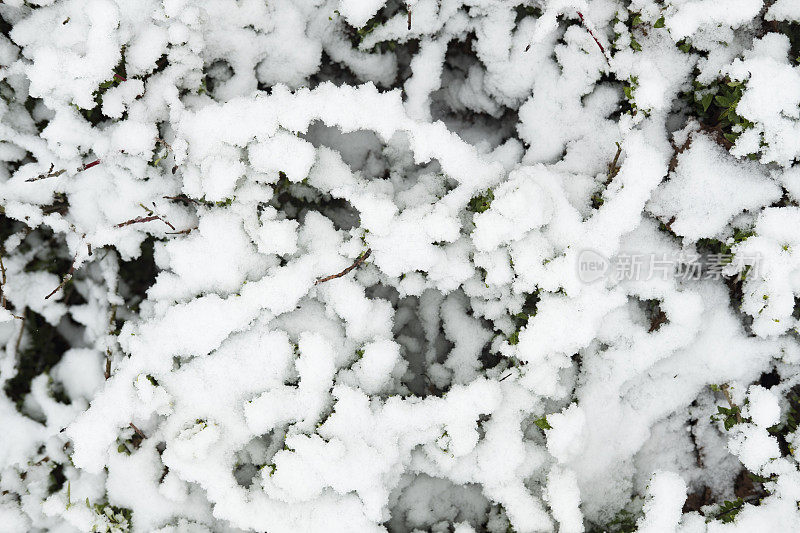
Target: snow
x,y
662,510
695,196
297,266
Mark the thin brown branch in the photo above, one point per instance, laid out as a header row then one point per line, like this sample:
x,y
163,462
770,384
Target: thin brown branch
x,y
357,263
107,371
165,143
138,220
138,431
736,409
66,279
613,168
54,174
119,78
21,331
408,8
2,283
181,232
50,174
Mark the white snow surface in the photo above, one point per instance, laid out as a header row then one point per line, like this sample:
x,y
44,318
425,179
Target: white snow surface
x,y
320,266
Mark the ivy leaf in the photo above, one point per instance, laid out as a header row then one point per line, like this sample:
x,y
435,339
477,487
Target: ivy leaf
x,y
707,99
723,101
659,23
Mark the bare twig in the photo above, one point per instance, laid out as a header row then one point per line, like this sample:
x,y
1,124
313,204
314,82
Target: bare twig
x,y
107,371
602,49
2,283
724,389
138,220
119,78
67,277
50,174
408,8
54,174
21,331
357,263
138,431
181,232
613,168
89,165
165,143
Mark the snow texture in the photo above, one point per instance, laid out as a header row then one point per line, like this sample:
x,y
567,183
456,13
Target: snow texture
x,y
321,266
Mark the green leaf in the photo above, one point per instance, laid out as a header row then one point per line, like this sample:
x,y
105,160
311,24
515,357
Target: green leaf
x,y
479,204
706,101
635,45
628,92
542,423
659,23
729,509
723,101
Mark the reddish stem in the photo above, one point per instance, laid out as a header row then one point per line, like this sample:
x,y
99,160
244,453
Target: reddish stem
x,y
583,21
87,166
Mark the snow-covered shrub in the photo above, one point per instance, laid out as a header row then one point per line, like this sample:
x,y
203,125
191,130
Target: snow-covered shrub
x,y
322,266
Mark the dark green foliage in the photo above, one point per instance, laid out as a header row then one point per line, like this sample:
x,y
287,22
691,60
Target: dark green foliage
x,y
521,318
7,227
481,203
623,522
57,479
714,106
542,423
684,45
139,274
526,11
95,115
782,430
119,516
728,510
792,31
714,246
729,415
44,349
